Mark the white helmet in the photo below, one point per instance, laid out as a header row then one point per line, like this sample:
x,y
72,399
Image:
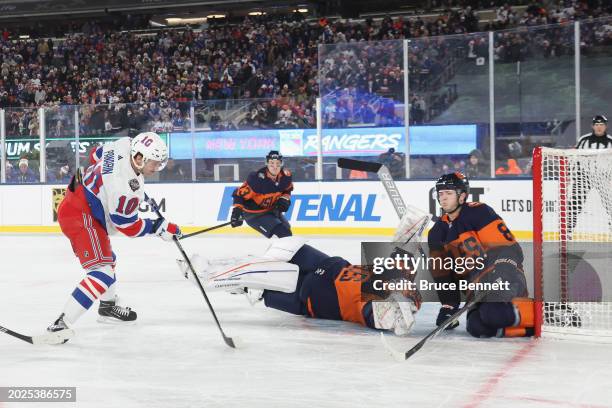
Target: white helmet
x,y
151,147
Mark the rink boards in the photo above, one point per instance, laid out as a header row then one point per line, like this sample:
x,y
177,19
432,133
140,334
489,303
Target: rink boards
x,y
318,208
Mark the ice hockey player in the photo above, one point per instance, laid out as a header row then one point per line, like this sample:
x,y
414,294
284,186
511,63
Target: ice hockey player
x,y
299,279
472,229
104,201
263,198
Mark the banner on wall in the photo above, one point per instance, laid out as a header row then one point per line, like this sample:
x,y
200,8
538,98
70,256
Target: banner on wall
x,y
17,148
331,207
424,140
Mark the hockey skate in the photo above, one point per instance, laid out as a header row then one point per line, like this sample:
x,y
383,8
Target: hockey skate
x,y
111,312
60,327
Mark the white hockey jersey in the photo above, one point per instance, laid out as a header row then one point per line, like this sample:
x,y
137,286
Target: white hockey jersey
x,y
114,191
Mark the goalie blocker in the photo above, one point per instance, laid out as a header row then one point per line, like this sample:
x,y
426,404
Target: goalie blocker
x,y
299,279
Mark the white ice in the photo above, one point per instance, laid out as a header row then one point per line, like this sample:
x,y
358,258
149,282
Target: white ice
x,y
174,355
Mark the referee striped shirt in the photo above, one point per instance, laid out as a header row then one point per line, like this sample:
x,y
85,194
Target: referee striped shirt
x,y
590,141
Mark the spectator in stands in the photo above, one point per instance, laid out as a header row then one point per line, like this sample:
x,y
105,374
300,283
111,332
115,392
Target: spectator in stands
x,y
61,175
476,166
509,168
10,172
25,174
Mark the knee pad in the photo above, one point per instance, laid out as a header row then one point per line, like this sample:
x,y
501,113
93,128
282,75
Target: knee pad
x,y
477,328
498,314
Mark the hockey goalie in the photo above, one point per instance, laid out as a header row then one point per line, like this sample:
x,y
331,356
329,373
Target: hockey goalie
x,y
297,278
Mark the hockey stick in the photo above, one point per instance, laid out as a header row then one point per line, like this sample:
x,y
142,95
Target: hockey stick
x,y
402,356
383,175
233,343
206,230
58,337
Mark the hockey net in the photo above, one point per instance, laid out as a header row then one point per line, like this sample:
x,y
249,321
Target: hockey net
x,y
572,198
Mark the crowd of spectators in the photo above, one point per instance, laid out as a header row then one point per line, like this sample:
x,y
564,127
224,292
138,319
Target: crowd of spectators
x,y
124,82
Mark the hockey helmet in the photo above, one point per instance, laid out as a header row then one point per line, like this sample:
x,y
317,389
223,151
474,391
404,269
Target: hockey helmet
x,y
600,119
274,155
453,181
151,147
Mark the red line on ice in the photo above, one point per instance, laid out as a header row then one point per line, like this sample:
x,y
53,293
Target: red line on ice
x,y
485,390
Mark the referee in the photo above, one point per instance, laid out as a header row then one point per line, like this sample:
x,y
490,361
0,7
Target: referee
x,y
598,138
582,184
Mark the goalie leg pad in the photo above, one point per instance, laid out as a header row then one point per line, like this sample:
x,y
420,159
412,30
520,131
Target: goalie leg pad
x,y
256,274
283,249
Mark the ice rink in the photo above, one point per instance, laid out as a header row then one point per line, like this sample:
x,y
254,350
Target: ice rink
x,y
174,356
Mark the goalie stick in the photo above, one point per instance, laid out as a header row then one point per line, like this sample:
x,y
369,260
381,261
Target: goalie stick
x,y
383,175
58,337
231,342
402,356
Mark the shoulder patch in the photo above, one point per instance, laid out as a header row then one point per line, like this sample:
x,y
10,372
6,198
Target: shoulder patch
x,y
287,172
134,184
261,175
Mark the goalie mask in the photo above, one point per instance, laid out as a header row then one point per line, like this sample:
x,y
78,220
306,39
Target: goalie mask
x,y
151,147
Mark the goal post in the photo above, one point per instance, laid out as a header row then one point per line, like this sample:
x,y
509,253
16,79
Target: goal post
x,y
572,241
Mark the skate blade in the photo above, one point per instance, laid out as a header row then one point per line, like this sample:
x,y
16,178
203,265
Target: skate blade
x,y
113,321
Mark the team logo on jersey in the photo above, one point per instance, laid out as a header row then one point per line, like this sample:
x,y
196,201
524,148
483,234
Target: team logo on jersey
x,y
261,175
320,271
134,184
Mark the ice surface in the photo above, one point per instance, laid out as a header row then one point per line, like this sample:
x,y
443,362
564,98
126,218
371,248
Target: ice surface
x,y
174,356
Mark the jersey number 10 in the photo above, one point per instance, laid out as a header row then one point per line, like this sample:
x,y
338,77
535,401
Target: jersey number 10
x,y
129,208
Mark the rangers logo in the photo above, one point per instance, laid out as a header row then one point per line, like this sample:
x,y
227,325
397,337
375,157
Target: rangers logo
x,y
134,184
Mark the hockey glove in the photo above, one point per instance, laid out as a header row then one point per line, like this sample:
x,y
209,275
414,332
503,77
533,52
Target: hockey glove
x,y
445,312
283,204
166,230
236,219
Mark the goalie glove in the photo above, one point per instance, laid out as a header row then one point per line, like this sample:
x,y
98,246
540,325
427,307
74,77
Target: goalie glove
x,y
396,314
166,230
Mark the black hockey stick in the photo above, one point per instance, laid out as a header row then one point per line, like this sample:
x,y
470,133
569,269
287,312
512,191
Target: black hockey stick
x,y
228,340
402,356
383,175
205,230
58,337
